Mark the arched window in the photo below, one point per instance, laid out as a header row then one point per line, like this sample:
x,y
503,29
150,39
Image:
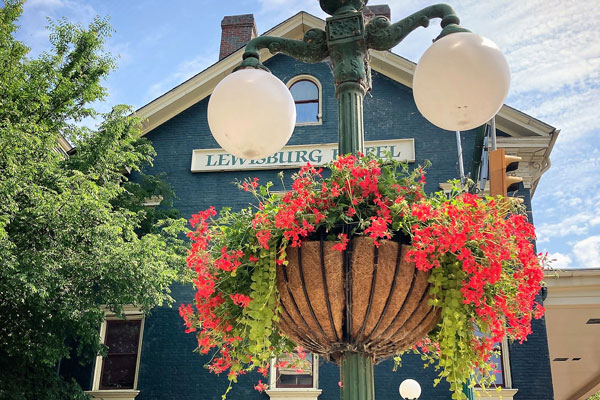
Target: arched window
x,y
306,91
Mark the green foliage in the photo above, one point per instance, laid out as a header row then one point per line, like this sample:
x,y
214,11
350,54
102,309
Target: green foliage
x,y
595,396
74,234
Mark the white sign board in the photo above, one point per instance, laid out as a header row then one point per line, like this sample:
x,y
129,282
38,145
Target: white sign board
x,y
214,160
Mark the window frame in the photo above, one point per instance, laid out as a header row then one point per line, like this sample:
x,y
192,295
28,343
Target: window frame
x,y
312,79
131,313
315,370
298,392
504,391
504,367
505,358
112,322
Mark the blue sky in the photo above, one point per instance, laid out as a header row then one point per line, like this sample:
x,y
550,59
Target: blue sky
x,y
552,48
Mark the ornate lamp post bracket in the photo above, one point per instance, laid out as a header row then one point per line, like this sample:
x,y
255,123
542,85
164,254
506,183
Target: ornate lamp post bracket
x,y
382,35
346,41
311,49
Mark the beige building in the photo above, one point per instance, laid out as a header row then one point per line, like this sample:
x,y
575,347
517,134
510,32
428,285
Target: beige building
x,y
573,325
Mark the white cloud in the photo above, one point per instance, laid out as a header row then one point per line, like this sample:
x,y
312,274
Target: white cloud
x,y
284,9
35,17
45,3
121,51
576,224
587,252
184,71
559,260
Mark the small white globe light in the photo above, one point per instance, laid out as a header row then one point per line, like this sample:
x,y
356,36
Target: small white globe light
x,y
410,389
251,114
461,81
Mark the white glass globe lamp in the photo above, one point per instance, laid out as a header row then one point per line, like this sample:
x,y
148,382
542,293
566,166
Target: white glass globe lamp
x,y
251,114
461,81
410,389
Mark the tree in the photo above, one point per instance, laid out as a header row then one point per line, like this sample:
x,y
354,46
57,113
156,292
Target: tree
x,y
74,234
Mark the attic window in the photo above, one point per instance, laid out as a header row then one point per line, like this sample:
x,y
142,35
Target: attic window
x,y
306,91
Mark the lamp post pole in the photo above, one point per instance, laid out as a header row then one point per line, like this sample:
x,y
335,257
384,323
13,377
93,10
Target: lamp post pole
x,y
346,41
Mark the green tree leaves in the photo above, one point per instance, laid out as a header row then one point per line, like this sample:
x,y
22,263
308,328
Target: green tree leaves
x,y
74,232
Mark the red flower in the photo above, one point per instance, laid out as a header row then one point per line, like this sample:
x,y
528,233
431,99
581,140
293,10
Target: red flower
x,y
341,246
300,351
263,370
261,386
263,238
240,299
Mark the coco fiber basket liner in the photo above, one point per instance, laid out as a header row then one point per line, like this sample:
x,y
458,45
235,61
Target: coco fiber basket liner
x,y
367,299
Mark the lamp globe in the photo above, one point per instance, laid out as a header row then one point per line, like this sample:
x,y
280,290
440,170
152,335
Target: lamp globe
x,y
410,389
251,114
461,81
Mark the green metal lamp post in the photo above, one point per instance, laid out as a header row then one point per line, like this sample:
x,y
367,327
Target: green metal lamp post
x,y
346,41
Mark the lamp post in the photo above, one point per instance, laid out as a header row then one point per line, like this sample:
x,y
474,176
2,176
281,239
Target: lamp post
x,y
460,82
252,114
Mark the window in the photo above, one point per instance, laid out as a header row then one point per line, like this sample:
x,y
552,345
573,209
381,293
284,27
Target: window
x,y
116,373
499,372
288,376
119,365
306,91
291,377
502,378
501,362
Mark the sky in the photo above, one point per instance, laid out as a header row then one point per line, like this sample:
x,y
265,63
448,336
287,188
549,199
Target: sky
x,y
552,48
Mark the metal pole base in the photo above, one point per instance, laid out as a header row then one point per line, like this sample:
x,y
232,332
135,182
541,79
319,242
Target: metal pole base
x,y
356,372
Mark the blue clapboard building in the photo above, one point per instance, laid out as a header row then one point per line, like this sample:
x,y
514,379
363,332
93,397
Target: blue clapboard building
x,y
152,358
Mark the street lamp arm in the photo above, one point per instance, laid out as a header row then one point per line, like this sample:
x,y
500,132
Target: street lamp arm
x,y
312,48
383,35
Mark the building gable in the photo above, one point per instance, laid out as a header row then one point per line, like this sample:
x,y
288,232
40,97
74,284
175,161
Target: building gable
x,y
526,136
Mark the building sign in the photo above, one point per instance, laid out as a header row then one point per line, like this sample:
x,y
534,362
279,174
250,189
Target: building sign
x,y
214,160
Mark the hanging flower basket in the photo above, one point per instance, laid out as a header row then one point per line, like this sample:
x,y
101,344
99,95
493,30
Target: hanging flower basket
x,y
363,261
366,299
